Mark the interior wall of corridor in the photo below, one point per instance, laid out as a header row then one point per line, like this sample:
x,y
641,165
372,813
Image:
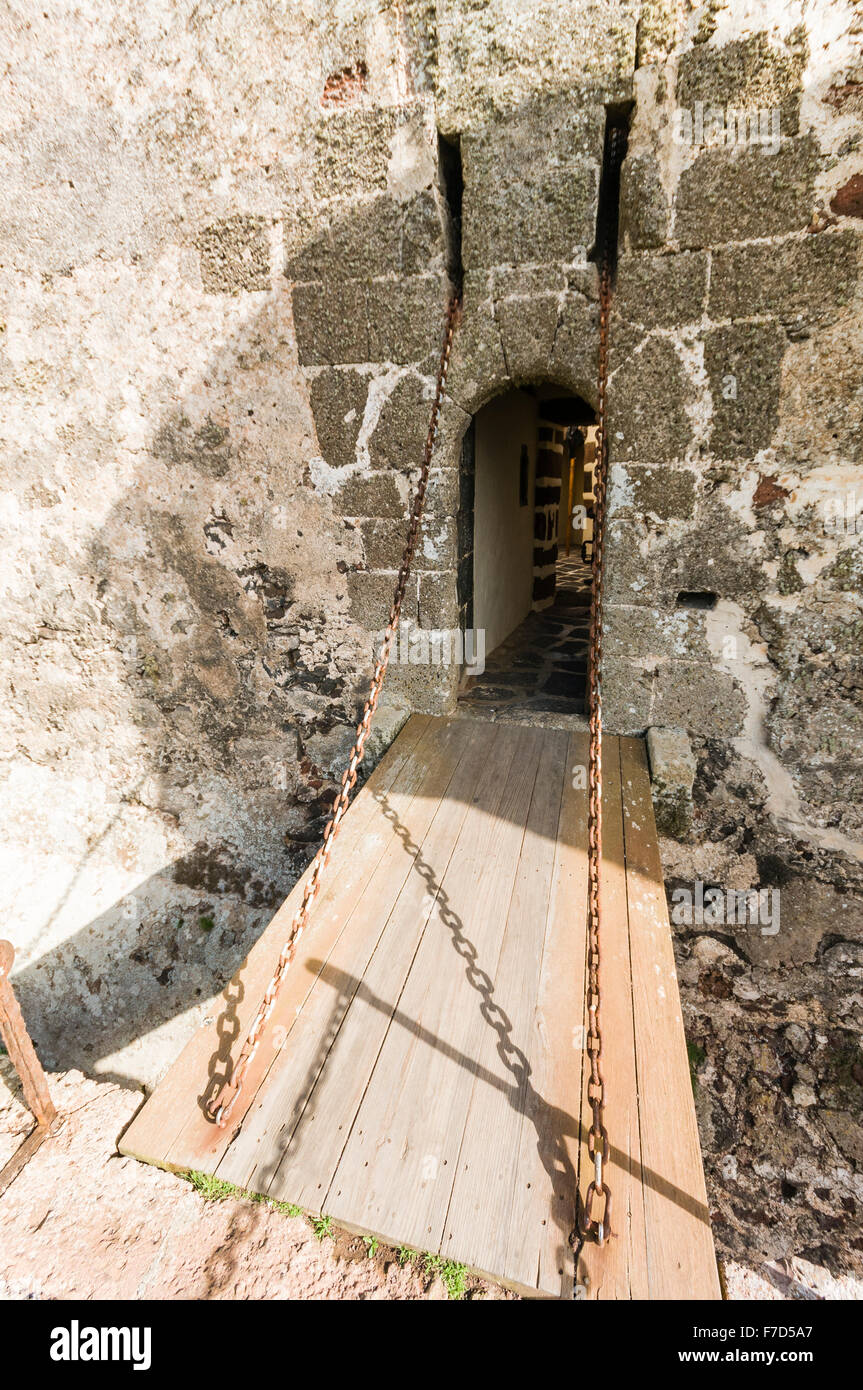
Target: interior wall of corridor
x,y
503,525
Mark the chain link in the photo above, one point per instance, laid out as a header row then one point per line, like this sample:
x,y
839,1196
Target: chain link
x,y
597,1137
220,1107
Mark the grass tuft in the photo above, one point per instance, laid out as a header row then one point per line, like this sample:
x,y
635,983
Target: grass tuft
x,y
453,1276
212,1189
216,1190
323,1227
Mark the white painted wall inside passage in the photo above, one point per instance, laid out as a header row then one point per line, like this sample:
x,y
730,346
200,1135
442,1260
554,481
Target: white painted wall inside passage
x,y
503,528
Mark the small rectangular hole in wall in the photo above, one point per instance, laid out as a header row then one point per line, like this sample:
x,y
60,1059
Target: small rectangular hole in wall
x,y
452,188
696,598
608,203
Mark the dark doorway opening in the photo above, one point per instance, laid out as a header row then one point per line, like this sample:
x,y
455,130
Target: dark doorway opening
x,y
525,535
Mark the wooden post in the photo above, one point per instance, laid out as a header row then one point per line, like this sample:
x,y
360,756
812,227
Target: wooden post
x,y
16,1039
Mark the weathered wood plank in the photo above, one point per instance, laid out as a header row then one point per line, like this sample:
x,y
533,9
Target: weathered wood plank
x,y
618,1270
493,1174
396,1172
292,1145
680,1260
540,1226
174,1109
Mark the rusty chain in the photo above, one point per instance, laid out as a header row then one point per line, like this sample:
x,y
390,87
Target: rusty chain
x,y
220,1107
600,1227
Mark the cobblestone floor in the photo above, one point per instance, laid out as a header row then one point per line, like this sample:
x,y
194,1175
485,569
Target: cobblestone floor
x,y
538,674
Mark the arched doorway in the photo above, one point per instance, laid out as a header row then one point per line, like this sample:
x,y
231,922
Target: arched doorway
x,y
524,540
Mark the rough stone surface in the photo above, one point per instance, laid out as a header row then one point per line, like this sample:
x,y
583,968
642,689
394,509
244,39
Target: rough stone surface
x,y
747,75
730,195
235,256
531,185
743,364
802,282
648,395
661,291
222,293
672,773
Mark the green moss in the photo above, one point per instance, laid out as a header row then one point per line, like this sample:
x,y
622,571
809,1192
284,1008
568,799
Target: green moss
x,y
697,1057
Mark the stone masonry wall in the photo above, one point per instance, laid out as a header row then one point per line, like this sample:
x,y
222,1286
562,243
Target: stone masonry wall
x,y
228,237
226,244
735,404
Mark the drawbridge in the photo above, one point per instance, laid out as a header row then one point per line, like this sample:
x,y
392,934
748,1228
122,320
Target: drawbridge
x,y
421,1057
423,1076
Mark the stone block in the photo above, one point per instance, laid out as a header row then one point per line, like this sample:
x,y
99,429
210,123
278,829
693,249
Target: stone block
x,y
383,543
370,597
427,688
398,439
640,490
743,365
406,318
436,547
745,191
698,697
423,240
745,75
647,397
672,774
356,241
627,696
453,423
477,366
338,400
531,185
382,236
331,323
235,255
644,210
352,150
811,279
714,558
662,291
642,633
527,329
438,600
442,497
633,572
370,494
574,360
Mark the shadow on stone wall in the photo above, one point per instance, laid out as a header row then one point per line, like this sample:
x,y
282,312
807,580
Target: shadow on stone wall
x,y
238,581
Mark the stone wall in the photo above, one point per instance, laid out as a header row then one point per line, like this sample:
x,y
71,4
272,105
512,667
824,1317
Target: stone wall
x,y
735,603
227,245
229,232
